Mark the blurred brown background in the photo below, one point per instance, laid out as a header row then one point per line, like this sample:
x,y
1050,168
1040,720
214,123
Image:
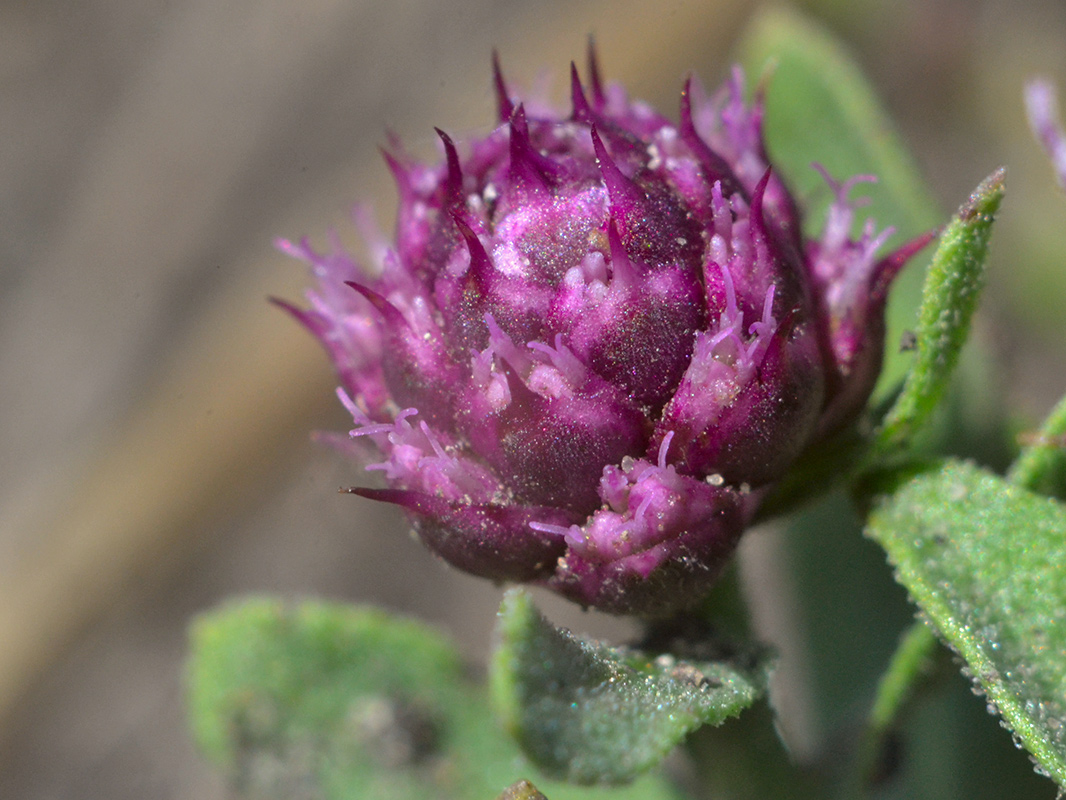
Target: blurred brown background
x,y
154,411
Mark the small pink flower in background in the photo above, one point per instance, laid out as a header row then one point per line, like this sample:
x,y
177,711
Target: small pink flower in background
x,y
598,339
1043,111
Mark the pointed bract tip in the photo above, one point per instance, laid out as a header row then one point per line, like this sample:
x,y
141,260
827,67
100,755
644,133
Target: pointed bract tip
x,y
504,104
596,84
404,171
715,167
481,267
890,266
301,316
453,185
757,196
391,313
582,112
417,502
685,116
619,187
393,142
529,167
400,172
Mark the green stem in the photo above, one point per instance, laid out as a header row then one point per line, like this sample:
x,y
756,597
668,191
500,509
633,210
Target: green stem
x,y
909,663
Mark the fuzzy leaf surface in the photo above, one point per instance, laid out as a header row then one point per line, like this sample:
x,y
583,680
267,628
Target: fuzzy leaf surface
x,y
984,559
589,713
952,288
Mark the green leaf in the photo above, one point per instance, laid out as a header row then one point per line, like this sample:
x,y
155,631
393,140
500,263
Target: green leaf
x,y
593,714
328,701
820,108
952,288
984,560
1041,466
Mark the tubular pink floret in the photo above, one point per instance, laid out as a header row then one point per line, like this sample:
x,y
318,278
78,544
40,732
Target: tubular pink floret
x,y
399,427
664,448
573,535
363,218
493,384
434,443
841,212
843,266
732,312
740,122
350,406
563,359
503,348
765,327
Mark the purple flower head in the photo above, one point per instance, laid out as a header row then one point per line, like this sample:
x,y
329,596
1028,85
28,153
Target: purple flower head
x,y
598,339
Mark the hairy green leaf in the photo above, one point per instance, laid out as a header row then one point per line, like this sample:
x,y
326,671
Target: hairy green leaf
x,y
594,714
984,560
317,700
952,288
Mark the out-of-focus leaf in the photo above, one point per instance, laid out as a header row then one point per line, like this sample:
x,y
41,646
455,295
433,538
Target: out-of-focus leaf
x,y
1041,466
595,714
820,108
952,288
984,559
327,701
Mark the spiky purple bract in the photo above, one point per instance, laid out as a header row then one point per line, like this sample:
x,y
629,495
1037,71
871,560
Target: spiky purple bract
x,y
598,340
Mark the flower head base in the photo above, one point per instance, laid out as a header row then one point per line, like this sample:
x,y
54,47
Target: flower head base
x,y
597,341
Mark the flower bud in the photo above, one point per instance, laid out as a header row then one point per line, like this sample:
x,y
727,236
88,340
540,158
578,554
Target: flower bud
x,y
598,339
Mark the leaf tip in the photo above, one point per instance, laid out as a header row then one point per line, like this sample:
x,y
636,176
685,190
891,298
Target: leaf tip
x,y
985,199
